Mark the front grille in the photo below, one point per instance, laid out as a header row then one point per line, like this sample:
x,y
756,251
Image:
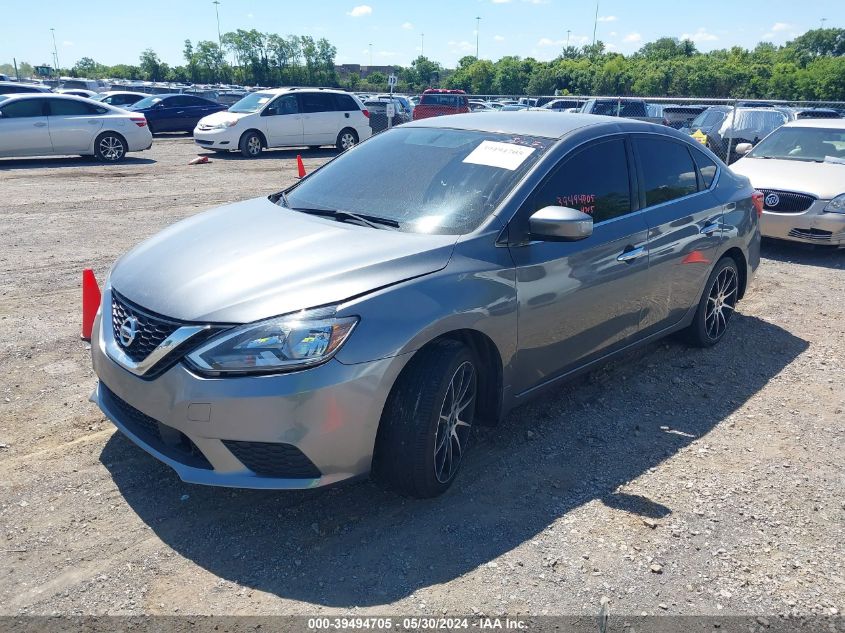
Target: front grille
x,y
165,439
817,235
786,201
153,329
273,460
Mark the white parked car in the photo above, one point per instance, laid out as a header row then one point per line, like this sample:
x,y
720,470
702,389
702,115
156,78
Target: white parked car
x,y
286,117
800,168
52,124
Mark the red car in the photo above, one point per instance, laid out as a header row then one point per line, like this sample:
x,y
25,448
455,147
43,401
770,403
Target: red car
x,y
435,102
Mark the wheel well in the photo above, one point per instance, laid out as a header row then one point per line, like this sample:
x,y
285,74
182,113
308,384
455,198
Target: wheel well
x,y
118,134
489,372
351,129
260,135
739,257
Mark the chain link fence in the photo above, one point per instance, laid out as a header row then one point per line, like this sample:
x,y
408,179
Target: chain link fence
x,y
720,124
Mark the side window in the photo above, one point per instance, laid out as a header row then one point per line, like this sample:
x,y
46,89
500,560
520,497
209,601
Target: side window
x,y
593,180
286,104
23,109
345,103
668,170
180,102
66,107
706,167
317,102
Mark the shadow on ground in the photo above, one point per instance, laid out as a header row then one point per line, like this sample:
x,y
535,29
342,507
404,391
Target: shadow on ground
x,y
283,153
69,162
808,254
361,545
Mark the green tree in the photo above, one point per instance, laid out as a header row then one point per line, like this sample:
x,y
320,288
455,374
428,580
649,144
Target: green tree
x,y
152,68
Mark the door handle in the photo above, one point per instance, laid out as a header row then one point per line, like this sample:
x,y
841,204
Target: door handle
x,y
180,112
730,206
40,124
710,228
632,254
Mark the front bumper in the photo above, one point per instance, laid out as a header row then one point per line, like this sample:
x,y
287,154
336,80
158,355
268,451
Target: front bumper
x,y
217,139
205,428
812,226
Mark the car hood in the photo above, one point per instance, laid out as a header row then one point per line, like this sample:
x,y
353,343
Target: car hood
x,y
223,115
253,260
823,180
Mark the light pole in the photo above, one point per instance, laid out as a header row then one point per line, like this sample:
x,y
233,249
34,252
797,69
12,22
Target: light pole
x,y
55,50
823,21
422,44
568,31
477,26
371,54
596,23
216,4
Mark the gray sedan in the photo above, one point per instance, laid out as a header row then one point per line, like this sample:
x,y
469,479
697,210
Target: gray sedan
x,y
364,319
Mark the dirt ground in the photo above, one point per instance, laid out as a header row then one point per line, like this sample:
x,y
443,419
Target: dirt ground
x,y
673,481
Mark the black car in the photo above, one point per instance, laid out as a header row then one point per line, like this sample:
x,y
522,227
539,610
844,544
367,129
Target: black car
x,y
175,113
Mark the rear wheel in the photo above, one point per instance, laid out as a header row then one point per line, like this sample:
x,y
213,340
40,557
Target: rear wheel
x,y
250,144
425,428
347,139
109,147
716,306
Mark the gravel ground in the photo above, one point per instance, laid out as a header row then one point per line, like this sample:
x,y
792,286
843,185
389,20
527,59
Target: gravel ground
x,y
673,481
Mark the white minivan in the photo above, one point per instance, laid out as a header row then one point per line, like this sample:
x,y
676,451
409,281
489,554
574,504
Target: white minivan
x,y
286,117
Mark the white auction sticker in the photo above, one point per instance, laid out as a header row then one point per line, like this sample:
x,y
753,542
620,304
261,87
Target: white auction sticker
x,y
494,154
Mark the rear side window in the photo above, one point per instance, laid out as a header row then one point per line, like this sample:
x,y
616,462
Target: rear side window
x,y
345,103
668,170
593,180
183,101
17,89
317,102
706,167
23,109
66,107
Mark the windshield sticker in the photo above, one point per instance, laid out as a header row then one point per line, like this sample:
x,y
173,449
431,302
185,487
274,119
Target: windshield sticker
x,y
502,155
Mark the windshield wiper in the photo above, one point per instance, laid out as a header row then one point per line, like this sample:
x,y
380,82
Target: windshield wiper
x,y
373,221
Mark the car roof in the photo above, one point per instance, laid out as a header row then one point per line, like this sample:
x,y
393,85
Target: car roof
x,y
22,84
279,91
542,123
833,124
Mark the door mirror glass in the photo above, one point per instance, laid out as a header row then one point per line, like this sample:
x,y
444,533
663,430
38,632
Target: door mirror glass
x,y
743,148
560,224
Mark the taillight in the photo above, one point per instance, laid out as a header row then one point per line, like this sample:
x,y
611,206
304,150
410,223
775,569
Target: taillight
x,y
366,113
757,197
139,121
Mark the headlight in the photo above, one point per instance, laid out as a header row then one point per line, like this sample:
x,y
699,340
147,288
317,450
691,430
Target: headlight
x,y
222,125
279,344
837,205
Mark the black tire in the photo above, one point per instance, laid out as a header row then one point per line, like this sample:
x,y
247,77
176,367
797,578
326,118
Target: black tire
x,y
110,147
218,150
150,127
346,139
412,427
250,144
711,321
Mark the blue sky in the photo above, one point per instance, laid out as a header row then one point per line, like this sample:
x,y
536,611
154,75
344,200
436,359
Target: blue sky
x,y
113,32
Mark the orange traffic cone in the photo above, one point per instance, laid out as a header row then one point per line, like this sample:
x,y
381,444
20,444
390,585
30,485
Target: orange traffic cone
x,y
90,302
299,166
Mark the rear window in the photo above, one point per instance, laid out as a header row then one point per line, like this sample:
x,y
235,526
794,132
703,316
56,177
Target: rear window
x,y
450,101
625,108
345,103
17,89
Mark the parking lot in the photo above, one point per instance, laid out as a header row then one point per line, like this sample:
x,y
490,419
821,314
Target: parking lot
x,y
673,481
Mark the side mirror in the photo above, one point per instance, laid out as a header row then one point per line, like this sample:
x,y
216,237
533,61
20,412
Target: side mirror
x,y
560,224
743,148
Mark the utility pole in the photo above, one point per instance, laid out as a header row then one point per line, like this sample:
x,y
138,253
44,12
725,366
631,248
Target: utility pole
x,y
371,55
422,44
568,31
216,4
477,26
55,51
596,23
823,21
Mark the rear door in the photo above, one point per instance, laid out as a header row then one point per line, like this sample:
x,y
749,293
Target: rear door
x,y
581,300
684,226
321,120
282,121
73,125
23,128
188,110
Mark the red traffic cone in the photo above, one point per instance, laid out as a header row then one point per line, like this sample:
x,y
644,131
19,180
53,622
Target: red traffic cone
x,y
299,166
90,302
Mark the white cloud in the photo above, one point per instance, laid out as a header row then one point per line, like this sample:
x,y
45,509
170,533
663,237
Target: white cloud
x,y
500,1
633,37
360,11
701,35
462,47
67,43
781,26
613,34
407,26
546,41
250,15
608,18
499,38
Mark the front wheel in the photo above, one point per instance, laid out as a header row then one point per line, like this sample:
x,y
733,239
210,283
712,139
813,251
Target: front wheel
x,y
347,139
716,306
250,145
425,428
110,148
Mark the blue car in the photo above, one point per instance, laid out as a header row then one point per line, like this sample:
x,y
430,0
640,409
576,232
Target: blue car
x,y
175,113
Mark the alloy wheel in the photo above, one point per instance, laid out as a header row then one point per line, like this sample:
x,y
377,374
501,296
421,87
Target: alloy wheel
x,y
347,140
453,425
254,145
111,148
721,303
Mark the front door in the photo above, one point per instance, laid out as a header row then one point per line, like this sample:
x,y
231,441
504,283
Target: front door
x,y
73,125
283,122
581,300
23,128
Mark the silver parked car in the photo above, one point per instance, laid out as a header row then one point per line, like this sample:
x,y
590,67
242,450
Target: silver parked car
x,y
314,336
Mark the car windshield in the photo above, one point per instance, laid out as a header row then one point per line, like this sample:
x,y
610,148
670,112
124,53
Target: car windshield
x,y
707,118
458,178
251,103
802,143
146,102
